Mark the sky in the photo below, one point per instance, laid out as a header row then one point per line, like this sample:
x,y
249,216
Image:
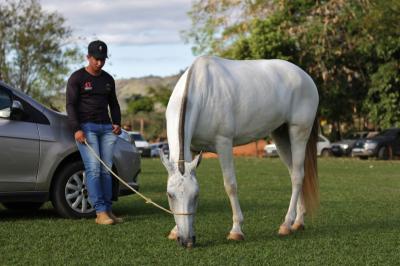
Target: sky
x,y
143,36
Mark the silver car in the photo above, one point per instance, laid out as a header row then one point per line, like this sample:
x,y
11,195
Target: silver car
x,y
39,160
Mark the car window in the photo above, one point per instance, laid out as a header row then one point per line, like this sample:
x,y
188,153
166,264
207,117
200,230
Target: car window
x,y
137,137
5,104
31,114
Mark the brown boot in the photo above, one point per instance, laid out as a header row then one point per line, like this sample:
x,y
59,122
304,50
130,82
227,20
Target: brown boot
x,y
103,218
116,219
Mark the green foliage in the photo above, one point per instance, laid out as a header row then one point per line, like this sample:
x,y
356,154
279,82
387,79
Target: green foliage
x,y
139,103
34,54
383,99
143,110
346,46
160,94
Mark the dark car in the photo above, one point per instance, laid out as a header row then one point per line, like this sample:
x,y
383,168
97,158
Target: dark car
x,y
384,146
345,146
39,160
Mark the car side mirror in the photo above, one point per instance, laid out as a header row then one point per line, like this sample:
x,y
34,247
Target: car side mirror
x,y
17,110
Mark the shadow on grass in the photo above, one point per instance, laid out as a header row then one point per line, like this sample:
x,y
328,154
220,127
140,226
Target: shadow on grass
x,y
136,208
7,215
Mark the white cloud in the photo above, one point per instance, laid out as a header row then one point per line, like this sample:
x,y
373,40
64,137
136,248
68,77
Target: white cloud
x,y
142,35
124,22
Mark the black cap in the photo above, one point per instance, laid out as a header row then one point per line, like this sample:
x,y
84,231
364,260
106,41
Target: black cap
x,y
98,49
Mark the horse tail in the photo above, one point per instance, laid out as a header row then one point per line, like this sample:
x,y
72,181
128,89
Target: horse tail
x,y
310,190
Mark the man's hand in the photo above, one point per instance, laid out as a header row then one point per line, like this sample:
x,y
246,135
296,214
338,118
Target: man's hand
x,y
80,136
116,129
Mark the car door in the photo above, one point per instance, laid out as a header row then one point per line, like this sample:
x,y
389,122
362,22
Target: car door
x,y
19,148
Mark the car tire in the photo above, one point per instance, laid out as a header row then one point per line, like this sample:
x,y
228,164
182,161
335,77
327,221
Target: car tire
x,y
23,206
325,153
383,153
69,194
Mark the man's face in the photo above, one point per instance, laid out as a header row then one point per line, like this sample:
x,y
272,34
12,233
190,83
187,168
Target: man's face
x,y
96,63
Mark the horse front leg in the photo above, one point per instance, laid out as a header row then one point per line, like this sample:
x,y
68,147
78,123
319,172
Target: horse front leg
x,y
224,149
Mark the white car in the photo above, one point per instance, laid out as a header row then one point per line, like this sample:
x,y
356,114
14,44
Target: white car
x,y
323,148
141,144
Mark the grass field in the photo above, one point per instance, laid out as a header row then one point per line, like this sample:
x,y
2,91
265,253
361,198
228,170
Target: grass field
x,y
358,222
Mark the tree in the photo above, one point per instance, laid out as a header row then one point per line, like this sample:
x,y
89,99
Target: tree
x,y
381,40
341,44
160,94
139,103
217,24
148,110
34,52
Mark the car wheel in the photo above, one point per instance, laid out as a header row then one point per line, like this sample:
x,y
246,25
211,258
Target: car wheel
x,y
69,192
325,153
23,206
383,153
363,157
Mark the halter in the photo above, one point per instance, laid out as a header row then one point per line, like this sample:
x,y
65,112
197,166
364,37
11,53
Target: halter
x,y
147,200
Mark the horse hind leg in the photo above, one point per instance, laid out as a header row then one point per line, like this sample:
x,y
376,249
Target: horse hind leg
x,y
224,150
173,234
281,139
294,219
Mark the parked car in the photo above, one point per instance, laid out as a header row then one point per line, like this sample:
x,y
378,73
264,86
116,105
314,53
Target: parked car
x,y
384,146
323,148
344,146
39,160
155,149
141,144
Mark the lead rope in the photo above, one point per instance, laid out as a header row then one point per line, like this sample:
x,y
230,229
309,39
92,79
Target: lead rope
x,y
147,200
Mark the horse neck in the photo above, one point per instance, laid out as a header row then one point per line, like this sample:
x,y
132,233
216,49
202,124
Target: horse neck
x,y
180,121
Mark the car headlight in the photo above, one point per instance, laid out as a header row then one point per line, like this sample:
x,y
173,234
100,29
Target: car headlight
x,y
370,145
344,146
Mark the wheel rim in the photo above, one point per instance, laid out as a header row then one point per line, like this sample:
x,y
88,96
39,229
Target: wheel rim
x,y
76,193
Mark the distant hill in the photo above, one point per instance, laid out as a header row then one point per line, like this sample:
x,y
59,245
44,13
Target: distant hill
x,y
127,87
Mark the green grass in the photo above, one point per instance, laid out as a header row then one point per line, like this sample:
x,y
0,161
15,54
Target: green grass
x,y
358,223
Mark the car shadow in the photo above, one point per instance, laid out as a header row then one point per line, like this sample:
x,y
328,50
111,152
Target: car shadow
x,y
28,215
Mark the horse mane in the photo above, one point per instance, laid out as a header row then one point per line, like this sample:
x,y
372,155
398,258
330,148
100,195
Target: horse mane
x,y
310,190
182,116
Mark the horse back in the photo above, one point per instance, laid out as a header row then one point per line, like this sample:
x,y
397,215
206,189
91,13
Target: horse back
x,y
248,99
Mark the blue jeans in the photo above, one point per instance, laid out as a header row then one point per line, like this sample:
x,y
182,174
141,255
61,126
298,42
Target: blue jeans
x,y
98,180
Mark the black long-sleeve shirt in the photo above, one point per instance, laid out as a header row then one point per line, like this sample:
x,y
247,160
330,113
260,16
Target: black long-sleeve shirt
x,y
88,99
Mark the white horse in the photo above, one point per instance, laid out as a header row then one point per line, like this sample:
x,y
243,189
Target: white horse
x,y
218,104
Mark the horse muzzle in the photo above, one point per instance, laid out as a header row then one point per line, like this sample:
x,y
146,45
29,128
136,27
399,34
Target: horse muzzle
x,y
187,243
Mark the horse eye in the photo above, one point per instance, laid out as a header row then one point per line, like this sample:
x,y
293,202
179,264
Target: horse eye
x,y
170,195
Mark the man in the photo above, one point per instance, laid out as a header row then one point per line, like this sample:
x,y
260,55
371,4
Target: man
x,y
90,91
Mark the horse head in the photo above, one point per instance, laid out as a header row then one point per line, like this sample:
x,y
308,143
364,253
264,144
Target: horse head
x,y
182,192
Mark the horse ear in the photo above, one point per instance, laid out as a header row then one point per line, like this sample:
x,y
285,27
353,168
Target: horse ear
x,y
165,161
196,161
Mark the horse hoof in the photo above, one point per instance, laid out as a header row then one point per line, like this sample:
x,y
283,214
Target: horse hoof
x,y
235,237
284,230
297,227
173,235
